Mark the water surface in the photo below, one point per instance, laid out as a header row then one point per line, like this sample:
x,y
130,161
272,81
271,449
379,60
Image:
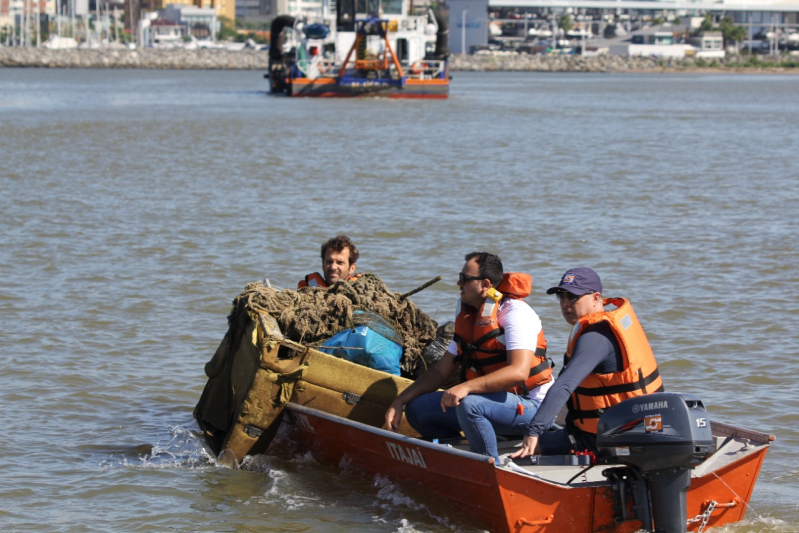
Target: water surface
x,y
137,204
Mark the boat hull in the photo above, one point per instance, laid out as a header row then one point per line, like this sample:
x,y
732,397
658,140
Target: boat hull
x,y
358,87
501,499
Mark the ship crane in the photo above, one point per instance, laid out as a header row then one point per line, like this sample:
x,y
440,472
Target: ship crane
x,y
364,29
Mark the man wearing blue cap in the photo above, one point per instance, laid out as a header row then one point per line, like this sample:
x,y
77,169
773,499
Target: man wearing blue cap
x,y
608,359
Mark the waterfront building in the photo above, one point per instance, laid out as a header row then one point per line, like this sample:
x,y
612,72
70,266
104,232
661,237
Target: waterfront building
x,y
167,32
192,12
13,8
201,22
468,25
14,14
657,41
469,19
266,10
168,26
254,10
708,44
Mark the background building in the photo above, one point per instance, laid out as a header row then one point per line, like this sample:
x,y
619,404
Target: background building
x,y
468,18
134,9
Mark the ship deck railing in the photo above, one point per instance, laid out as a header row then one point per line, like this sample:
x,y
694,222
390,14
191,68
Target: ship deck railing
x,y
317,68
424,69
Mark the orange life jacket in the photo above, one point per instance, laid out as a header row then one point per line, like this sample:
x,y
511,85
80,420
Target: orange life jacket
x,y
315,279
481,342
640,375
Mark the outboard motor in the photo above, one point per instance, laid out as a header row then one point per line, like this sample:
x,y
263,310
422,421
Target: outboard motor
x,y
661,436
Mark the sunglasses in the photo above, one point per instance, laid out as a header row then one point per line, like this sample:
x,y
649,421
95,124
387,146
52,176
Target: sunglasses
x,y
570,296
463,278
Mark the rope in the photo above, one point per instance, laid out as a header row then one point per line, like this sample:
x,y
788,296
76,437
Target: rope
x,y
313,314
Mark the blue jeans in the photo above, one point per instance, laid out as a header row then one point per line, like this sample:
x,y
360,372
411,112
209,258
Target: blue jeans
x,y
479,416
566,441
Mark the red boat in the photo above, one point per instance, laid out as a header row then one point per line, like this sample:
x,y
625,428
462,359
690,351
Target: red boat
x,y
265,391
554,498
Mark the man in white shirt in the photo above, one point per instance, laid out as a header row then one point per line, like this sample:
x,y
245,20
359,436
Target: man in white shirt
x,y
500,351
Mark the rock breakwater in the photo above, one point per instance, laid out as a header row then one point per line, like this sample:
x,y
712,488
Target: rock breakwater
x,y
146,58
513,62
215,59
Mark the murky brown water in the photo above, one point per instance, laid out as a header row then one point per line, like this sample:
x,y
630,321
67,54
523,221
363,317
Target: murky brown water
x,y
136,205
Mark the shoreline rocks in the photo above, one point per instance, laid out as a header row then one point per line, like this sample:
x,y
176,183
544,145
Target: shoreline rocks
x,y
551,63
145,58
215,59
513,62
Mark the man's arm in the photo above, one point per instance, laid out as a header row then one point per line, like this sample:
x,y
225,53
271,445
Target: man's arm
x,y
592,349
432,380
521,326
517,371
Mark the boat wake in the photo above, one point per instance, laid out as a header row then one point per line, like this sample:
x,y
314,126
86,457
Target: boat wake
x,y
298,483
391,493
290,500
183,448
760,523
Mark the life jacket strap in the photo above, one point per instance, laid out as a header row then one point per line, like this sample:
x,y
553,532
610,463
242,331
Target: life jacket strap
x,y
493,334
641,385
596,413
500,356
582,415
467,349
540,367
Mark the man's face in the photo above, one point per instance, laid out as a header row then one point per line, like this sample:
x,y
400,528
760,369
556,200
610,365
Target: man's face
x,y
473,289
336,265
573,306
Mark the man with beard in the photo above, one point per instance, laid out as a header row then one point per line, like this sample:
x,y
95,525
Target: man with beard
x,y
339,256
500,351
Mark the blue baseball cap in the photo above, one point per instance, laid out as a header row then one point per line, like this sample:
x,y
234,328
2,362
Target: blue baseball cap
x,y
578,281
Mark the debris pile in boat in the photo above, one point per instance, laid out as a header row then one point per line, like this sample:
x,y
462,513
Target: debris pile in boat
x,y
312,315
433,352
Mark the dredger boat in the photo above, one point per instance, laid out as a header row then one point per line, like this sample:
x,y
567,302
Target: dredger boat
x,y
367,49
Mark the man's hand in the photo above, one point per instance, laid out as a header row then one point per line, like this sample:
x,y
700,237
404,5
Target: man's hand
x,y
452,397
430,381
529,446
394,415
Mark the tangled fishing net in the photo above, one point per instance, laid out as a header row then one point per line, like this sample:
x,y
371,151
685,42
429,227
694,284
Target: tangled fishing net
x,y
312,315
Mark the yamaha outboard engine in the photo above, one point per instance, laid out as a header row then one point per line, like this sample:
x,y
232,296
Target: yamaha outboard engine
x,y
661,437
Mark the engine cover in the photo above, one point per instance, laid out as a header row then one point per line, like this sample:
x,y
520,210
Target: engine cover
x,y
656,431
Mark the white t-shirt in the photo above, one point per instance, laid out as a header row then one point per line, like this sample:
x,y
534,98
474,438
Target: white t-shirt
x,y
522,326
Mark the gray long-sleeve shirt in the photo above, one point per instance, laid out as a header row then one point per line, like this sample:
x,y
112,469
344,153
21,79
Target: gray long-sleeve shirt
x,y
596,351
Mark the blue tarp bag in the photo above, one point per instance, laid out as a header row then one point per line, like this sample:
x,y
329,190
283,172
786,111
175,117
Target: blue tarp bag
x,y
376,351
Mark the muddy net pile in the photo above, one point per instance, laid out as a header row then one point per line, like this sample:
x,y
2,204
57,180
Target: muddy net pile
x,y
312,315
